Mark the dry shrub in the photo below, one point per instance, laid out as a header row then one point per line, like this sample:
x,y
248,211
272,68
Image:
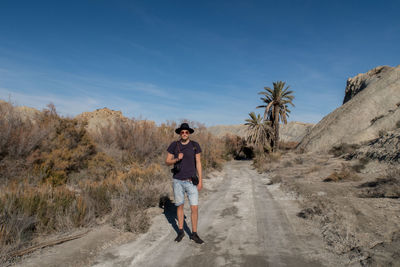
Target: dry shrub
x,y
343,148
213,149
68,149
236,147
275,156
57,176
276,179
387,186
18,136
314,169
345,174
44,147
133,192
287,164
286,146
299,160
310,212
130,140
263,161
362,162
260,162
27,211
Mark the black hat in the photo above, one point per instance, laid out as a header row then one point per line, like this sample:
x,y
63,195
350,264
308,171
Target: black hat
x,y
184,126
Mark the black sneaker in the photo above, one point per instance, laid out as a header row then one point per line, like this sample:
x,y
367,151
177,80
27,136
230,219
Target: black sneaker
x,y
180,236
194,237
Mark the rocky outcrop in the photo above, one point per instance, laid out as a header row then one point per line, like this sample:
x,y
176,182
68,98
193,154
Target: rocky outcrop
x,y
361,81
101,118
385,148
372,107
292,132
222,130
22,113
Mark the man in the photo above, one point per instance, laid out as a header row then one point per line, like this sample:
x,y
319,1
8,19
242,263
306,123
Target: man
x,y
186,154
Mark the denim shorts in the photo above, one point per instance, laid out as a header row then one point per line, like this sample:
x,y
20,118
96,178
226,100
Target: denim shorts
x,y
180,187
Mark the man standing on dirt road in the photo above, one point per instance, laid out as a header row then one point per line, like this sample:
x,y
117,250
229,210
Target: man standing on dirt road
x,y
185,156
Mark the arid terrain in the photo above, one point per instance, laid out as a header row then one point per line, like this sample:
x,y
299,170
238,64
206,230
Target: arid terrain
x,y
354,203
329,197
244,220
288,216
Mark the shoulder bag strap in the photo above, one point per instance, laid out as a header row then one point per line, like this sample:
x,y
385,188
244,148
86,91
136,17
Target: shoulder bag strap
x,y
194,154
177,144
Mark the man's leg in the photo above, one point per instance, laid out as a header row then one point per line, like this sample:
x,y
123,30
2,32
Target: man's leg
x,y
195,212
179,213
193,196
179,201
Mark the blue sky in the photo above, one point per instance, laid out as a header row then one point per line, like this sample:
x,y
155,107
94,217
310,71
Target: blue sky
x,y
201,60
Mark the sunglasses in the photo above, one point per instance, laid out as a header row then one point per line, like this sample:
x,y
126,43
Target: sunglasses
x,y
184,132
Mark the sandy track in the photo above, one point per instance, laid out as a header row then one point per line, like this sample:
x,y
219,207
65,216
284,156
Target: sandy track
x,y
243,221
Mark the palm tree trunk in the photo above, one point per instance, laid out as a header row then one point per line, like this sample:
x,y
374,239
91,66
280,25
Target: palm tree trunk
x,y
276,127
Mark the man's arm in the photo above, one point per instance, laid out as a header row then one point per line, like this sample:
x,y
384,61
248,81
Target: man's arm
x,y
170,160
199,171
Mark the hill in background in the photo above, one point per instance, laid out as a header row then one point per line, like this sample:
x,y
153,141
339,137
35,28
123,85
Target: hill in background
x,y
292,132
371,108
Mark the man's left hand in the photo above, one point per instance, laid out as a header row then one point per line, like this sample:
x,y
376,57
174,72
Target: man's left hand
x,y
199,186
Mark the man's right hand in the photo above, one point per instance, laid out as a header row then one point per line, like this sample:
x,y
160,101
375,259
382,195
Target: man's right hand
x,y
180,156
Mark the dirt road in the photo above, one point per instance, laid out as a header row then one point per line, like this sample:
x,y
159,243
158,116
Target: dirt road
x,y
243,221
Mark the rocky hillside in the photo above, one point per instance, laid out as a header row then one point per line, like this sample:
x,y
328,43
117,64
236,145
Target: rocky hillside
x,y
292,132
385,148
101,118
221,130
371,107
24,113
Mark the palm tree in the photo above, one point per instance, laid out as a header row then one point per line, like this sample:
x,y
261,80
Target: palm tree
x,y
276,106
259,131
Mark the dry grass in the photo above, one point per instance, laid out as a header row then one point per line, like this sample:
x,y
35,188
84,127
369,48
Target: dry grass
x,y
276,179
345,174
362,162
18,137
314,168
286,146
299,160
275,156
343,149
264,162
387,186
56,176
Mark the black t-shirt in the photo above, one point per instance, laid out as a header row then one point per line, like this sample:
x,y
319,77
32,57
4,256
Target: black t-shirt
x,y
187,164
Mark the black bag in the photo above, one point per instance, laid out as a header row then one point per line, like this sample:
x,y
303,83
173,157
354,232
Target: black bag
x,y
177,165
195,180
176,168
